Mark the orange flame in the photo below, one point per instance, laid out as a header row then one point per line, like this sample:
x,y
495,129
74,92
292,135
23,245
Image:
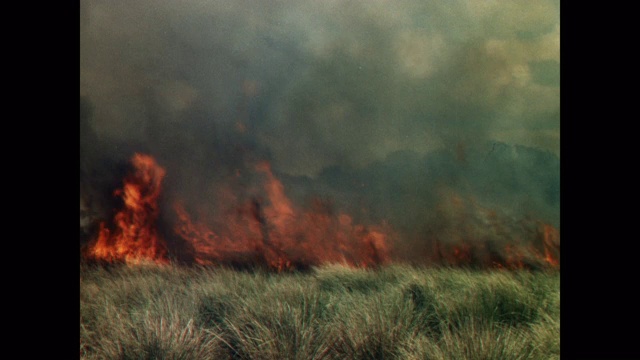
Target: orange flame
x,y
551,244
283,237
135,237
481,237
211,247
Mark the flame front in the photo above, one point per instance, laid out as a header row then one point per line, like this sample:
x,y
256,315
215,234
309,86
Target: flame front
x,y
281,236
134,237
476,236
261,226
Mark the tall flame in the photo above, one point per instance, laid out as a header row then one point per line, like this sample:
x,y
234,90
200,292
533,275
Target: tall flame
x,y
134,237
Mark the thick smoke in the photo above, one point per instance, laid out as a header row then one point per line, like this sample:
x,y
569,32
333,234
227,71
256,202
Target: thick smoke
x,y
441,118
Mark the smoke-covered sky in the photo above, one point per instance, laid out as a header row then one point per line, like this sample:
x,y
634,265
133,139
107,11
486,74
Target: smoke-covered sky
x,y
323,83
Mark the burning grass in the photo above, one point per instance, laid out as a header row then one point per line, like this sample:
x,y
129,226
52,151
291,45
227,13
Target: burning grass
x,y
273,233
266,228
330,312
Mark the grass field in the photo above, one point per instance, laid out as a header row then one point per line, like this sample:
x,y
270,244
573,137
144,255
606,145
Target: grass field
x,y
331,312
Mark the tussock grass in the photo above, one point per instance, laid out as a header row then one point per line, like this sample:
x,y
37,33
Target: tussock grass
x,y
475,340
330,312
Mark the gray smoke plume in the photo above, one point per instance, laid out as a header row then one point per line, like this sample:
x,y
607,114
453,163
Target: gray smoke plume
x,y
396,110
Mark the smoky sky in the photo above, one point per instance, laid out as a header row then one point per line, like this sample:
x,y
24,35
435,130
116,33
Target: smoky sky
x,y
318,84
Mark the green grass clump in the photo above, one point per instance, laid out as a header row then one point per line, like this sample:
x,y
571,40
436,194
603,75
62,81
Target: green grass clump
x,y
330,312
